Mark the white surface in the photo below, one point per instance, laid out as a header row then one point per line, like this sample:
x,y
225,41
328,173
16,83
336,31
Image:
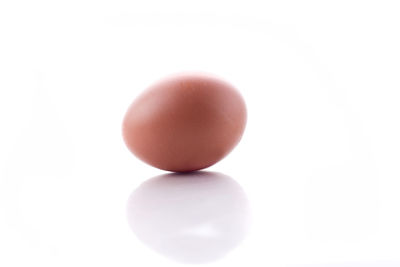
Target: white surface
x,y
318,165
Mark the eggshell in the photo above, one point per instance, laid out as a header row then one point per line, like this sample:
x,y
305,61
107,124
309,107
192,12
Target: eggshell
x,y
185,122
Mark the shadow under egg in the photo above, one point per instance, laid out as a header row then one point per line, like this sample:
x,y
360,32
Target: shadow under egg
x,y
189,217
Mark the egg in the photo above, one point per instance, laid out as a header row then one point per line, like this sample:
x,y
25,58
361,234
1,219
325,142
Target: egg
x,y
185,122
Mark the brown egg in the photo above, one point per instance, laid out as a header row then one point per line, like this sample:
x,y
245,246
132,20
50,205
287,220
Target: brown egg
x,y
184,123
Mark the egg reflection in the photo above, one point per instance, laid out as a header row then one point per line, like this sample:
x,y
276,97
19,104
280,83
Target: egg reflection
x,y
190,218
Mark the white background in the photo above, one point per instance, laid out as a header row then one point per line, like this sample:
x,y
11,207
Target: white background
x,y
317,171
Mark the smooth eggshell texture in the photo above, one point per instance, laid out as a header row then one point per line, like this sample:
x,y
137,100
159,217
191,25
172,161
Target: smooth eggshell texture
x,y
184,123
